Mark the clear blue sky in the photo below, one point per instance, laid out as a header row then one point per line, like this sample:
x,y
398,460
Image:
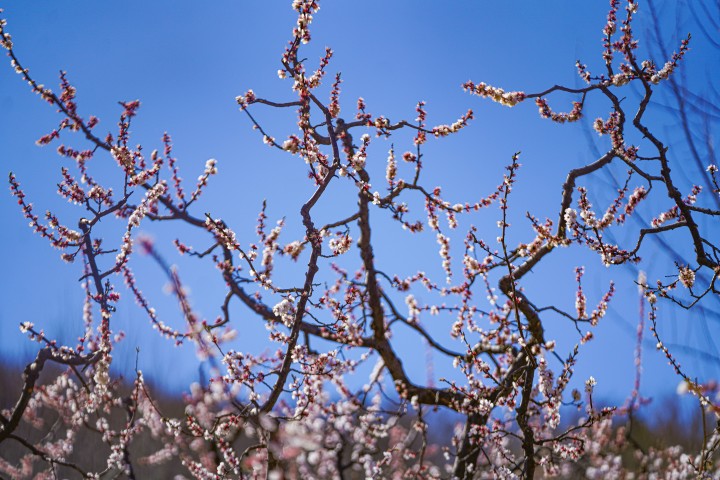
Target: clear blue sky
x,y
187,61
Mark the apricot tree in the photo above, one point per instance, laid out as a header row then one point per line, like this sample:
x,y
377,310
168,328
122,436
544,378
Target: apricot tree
x,y
297,408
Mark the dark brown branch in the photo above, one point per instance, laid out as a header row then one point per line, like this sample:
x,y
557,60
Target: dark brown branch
x,y
31,374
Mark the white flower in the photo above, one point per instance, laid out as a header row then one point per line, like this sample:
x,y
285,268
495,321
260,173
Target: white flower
x,y
285,309
101,377
210,168
484,406
620,79
682,387
340,245
292,144
589,384
687,277
570,216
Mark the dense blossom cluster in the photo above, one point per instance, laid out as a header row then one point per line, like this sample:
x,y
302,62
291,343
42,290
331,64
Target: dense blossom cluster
x,y
509,99
303,404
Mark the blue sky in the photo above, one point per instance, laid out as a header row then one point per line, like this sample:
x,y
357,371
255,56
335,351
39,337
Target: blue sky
x,y
187,61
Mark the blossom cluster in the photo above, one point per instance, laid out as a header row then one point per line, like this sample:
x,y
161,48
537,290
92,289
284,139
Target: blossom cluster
x,y
509,99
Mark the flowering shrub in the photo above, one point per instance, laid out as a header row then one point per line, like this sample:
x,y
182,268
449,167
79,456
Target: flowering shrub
x,y
298,409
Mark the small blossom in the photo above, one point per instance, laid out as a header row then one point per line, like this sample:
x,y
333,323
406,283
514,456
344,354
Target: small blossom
x,y
340,245
409,157
687,277
210,167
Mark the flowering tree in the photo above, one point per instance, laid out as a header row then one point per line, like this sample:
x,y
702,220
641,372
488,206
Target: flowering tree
x,y
298,409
